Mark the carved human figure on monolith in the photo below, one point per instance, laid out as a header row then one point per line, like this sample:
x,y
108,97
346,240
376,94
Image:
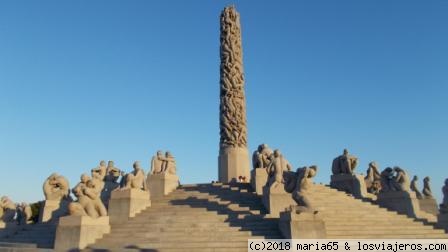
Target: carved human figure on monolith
x,y
304,183
276,169
427,193
7,209
344,164
136,178
414,187
56,187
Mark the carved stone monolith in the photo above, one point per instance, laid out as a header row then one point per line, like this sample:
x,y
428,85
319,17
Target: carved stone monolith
x,y
233,158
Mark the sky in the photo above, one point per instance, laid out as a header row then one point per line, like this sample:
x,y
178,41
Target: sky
x,y
84,81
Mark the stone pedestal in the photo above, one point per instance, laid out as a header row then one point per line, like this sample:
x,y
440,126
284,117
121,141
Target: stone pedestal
x,y
76,232
402,202
258,179
125,204
52,210
350,183
442,221
233,162
162,184
303,225
276,200
429,205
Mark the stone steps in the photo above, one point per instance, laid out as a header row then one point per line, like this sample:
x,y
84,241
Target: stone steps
x,y
195,218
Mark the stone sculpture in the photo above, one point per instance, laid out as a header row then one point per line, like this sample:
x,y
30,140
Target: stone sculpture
x,y
233,153
344,164
373,178
163,164
261,157
402,180
427,193
112,172
395,179
303,184
136,178
89,202
7,209
444,205
276,169
100,172
56,187
414,187
24,213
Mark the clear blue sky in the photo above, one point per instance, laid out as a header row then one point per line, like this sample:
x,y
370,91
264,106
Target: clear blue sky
x,y
82,81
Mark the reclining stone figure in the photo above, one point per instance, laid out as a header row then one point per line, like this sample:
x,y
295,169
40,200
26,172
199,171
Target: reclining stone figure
x,y
344,164
56,187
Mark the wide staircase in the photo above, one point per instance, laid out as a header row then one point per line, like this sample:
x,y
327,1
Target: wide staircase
x,y
28,237
349,218
203,217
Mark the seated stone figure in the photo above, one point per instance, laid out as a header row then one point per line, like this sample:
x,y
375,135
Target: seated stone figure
x,y
261,157
304,183
163,164
24,213
100,171
387,176
414,187
276,169
136,178
56,188
373,178
402,181
157,163
89,202
344,164
169,164
444,205
112,172
7,209
427,193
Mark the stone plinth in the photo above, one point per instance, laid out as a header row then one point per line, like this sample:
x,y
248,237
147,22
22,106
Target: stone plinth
x,y
52,210
125,204
276,200
258,179
303,225
351,183
402,202
429,205
76,232
233,162
442,221
162,184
